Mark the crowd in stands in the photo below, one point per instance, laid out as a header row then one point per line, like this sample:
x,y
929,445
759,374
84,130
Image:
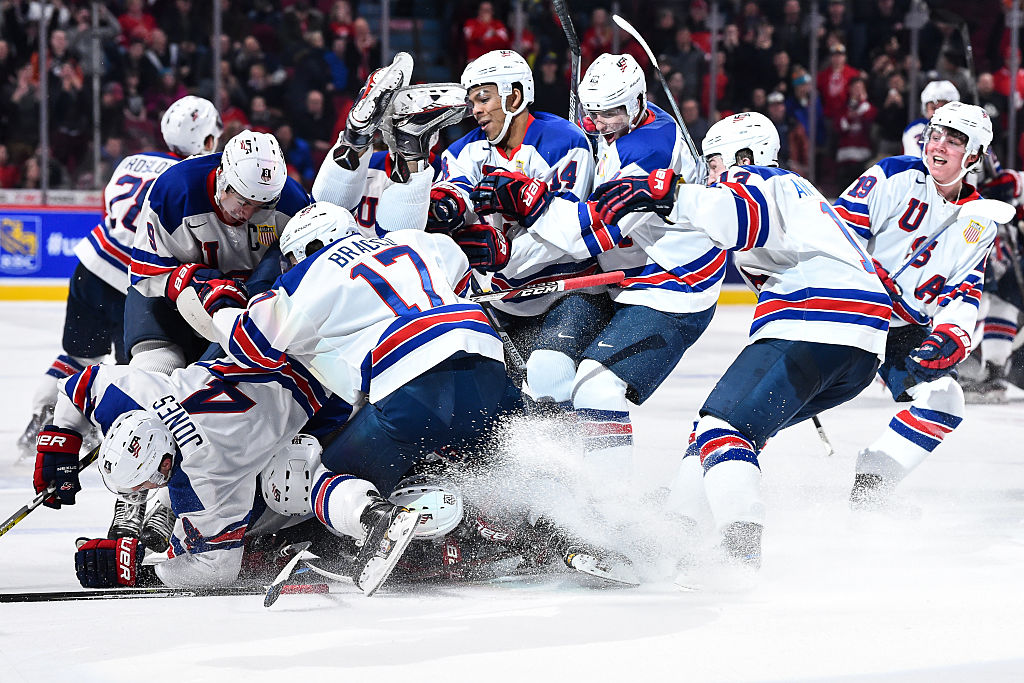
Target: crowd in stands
x,y
292,67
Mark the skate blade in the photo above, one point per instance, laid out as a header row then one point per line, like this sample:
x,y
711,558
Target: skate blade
x,y
380,566
620,574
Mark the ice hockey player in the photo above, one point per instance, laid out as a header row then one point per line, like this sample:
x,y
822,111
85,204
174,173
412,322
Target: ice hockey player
x,y
894,208
934,95
389,190
94,321
819,326
205,431
516,151
206,225
624,350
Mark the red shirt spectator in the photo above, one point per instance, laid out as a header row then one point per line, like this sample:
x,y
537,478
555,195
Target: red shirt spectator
x,y
484,33
834,82
597,38
135,22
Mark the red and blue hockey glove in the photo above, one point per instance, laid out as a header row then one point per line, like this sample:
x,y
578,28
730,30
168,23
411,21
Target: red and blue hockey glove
x,y
215,291
1005,187
57,463
938,354
111,563
655,193
514,195
447,209
485,246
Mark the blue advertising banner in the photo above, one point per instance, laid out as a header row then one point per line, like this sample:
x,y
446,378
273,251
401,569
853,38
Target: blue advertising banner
x,y
38,242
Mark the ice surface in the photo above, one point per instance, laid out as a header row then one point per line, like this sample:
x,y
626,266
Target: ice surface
x,y
840,597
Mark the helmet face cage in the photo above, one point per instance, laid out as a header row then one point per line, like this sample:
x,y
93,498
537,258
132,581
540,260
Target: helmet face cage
x,y
132,452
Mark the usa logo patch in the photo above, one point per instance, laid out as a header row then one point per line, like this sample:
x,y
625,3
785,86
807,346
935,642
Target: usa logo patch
x,y
266,234
972,233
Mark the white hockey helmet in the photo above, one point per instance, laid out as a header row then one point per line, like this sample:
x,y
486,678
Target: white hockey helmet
x,y
187,124
938,91
132,451
313,228
968,119
503,68
615,81
253,166
287,479
437,500
746,130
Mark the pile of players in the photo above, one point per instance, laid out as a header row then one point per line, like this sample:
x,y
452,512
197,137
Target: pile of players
x,y
299,367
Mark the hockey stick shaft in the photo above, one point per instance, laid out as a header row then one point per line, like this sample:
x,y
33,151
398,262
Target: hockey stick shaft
x,y
510,347
562,11
40,497
824,437
552,286
701,163
157,592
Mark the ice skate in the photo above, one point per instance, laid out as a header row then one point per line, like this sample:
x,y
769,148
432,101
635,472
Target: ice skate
x,y
27,440
591,559
128,518
389,531
157,528
366,114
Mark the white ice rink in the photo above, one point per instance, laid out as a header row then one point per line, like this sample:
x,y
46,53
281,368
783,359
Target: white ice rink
x,y
840,597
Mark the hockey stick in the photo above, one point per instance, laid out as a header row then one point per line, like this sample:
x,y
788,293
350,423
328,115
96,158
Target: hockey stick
x,y
538,288
510,347
562,12
277,587
824,437
698,159
40,497
984,209
157,592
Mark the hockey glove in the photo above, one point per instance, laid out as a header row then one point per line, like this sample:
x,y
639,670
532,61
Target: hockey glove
x,y
485,246
215,291
57,463
655,193
1005,187
514,195
937,355
447,209
111,563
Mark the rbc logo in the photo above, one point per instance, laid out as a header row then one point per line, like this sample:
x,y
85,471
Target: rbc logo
x,y
20,244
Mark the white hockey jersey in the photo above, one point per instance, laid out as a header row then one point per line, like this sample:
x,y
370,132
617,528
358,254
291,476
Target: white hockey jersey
x,y
107,250
813,281
363,190
666,269
892,209
553,150
227,422
179,224
365,314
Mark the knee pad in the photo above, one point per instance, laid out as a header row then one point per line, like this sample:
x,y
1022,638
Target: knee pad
x,y
598,387
943,395
338,501
549,376
157,356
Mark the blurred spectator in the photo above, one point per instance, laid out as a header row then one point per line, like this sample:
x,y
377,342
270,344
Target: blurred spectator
x,y
950,67
10,174
31,173
1002,82
23,133
157,51
234,118
996,106
892,116
315,122
854,148
135,22
56,58
260,84
798,106
759,101
261,117
310,71
193,63
134,62
833,83
180,20
597,38
794,151
80,37
662,38
111,155
297,155
723,86
340,21
782,72
364,52
167,91
885,23
8,65
837,21
697,22
484,33
336,64
551,87
791,34
688,60
70,118
696,124
112,111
